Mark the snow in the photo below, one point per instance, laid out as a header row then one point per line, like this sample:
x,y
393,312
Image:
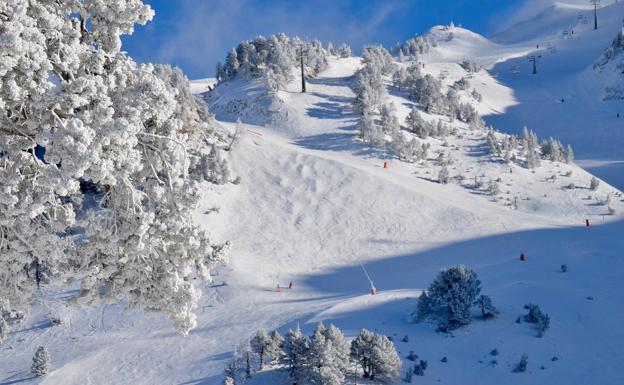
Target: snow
x,y
565,72
314,203
200,86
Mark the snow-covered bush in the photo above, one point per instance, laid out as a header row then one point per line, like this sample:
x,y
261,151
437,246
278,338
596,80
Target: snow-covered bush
x,y
75,108
41,362
594,183
522,365
449,297
419,368
535,316
484,303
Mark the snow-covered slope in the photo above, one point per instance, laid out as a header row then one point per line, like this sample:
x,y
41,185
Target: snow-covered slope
x,y
565,99
199,86
314,203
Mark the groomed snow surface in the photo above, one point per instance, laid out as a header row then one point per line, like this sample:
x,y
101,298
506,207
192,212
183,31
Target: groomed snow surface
x,y
314,203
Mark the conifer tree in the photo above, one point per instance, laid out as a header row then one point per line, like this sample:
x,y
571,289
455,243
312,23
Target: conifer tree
x,y
452,293
41,362
295,353
260,344
274,348
4,330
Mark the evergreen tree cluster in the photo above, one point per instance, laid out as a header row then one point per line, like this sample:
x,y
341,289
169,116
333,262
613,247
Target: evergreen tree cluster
x,y
369,88
273,59
323,358
470,65
508,146
428,92
413,47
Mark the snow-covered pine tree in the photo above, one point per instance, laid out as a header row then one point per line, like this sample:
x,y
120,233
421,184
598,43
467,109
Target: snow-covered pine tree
x,y
377,357
245,356
385,362
330,49
274,348
454,291
484,303
569,154
416,124
369,131
4,329
425,307
492,143
493,187
231,64
260,343
295,353
231,370
389,122
344,51
41,362
407,151
443,175
219,72
322,364
134,131
339,345
362,351
594,183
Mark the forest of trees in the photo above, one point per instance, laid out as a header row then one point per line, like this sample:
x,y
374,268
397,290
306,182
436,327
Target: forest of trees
x,y
323,358
275,58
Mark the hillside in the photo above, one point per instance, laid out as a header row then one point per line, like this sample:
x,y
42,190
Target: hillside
x,y
566,83
315,206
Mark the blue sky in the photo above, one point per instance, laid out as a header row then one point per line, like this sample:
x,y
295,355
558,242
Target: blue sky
x,y
196,34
